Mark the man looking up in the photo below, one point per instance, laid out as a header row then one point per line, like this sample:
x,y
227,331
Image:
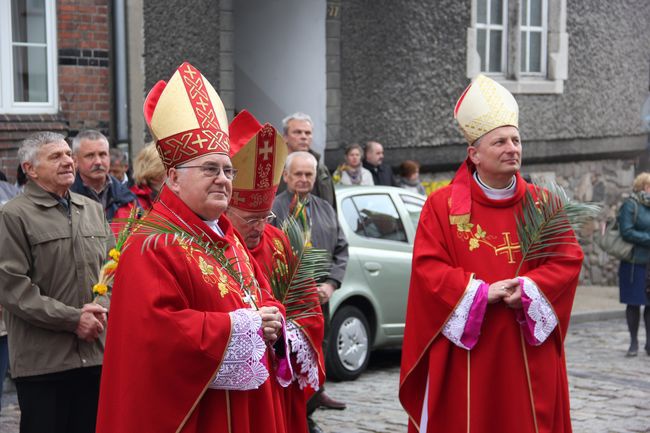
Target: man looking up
x,y
261,150
300,176
484,339
373,161
91,157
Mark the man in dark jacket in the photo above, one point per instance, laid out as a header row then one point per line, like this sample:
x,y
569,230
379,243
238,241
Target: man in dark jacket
x,y
373,161
297,132
91,157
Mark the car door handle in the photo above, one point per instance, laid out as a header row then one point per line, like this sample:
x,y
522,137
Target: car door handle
x,y
372,267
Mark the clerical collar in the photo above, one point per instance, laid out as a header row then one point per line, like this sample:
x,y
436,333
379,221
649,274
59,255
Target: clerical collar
x,y
214,225
496,193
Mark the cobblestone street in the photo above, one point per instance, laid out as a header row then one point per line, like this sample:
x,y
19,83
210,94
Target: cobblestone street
x,y
609,393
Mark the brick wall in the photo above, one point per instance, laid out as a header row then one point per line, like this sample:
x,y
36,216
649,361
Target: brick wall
x,y
85,96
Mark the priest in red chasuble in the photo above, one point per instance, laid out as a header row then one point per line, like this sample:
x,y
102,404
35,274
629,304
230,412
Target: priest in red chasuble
x,y
193,323
484,347
258,153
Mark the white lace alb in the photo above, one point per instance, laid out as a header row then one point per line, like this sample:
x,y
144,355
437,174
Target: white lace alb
x,y
242,368
539,311
307,373
455,326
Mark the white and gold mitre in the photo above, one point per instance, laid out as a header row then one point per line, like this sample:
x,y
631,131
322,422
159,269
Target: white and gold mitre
x,y
484,106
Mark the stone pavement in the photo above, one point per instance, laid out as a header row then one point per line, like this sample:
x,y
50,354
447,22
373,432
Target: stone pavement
x,y
609,393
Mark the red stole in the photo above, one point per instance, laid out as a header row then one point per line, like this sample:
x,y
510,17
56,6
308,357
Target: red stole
x,y
503,384
168,330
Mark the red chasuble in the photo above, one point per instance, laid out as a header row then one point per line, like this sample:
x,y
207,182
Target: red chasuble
x,y
275,246
503,384
168,331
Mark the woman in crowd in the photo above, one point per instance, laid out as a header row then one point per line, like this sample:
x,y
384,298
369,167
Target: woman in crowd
x,y
634,223
409,177
149,176
351,172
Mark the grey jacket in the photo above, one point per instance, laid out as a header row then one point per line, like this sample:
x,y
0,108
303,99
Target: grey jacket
x,y
49,261
326,232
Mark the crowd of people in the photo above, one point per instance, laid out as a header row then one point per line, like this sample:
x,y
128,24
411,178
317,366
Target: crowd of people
x,y
199,334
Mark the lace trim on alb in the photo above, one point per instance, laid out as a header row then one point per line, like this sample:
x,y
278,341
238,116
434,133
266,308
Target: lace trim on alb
x,y
455,326
306,357
539,311
242,368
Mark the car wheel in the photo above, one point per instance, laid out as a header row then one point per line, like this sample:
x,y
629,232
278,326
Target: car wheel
x,y
348,350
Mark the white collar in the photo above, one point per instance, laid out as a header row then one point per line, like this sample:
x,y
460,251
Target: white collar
x,y
496,193
214,225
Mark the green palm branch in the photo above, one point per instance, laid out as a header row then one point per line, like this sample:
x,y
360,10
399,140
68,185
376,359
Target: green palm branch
x,y
550,220
160,232
293,283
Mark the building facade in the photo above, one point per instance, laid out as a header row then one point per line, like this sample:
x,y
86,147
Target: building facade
x,y
364,69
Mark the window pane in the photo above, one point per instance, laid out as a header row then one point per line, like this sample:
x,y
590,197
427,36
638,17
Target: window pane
x,y
28,21
524,50
536,13
30,74
524,12
496,12
351,217
379,217
481,11
495,50
480,46
535,52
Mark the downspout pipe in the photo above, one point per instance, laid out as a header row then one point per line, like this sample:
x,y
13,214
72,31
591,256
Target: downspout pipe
x,y
121,80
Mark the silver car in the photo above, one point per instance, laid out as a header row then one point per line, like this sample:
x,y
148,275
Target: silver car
x,y
368,310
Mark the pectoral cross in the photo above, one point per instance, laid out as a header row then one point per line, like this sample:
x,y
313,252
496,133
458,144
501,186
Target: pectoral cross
x,y
507,248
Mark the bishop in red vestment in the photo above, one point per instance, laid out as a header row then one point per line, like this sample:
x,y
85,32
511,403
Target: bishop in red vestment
x,y
484,351
261,151
189,339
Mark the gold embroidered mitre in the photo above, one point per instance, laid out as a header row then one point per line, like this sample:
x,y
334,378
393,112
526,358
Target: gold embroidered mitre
x,y
258,153
186,117
484,106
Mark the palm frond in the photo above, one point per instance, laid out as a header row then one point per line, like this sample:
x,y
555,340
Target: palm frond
x,y
160,232
294,282
549,220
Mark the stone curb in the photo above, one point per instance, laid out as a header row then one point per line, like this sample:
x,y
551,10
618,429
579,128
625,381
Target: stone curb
x,y
594,316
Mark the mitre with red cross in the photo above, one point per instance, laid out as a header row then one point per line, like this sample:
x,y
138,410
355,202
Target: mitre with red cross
x,y
258,153
186,117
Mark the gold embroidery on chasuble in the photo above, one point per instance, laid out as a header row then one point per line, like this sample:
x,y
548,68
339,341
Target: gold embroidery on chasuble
x,y
476,236
210,273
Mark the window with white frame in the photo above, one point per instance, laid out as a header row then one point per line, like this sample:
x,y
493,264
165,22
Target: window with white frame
x,y
28,82
523,44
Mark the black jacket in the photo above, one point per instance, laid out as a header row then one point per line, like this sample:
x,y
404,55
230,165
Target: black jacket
x,y
118,195
381,174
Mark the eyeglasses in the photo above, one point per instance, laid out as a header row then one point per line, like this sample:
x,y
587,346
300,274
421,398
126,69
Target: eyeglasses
x,y
254,221
213,170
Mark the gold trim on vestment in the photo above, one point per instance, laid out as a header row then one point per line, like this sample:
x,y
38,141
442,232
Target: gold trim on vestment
x,y
459,219
416,424
530,386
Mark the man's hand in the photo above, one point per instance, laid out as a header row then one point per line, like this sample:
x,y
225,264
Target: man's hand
x,y
271,323
91,323
502,289
325,291
513,299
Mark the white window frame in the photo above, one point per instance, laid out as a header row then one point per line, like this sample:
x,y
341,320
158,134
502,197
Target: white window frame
x,y
528,29
7,102
555,56
504,35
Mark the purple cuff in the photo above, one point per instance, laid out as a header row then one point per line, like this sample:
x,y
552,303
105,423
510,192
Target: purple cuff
x,y
475,318
283,370
536,317
524,320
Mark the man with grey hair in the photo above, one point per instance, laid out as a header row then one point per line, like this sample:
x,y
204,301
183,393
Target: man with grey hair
x,y
91,157
53,244
120,166
298,133
300,176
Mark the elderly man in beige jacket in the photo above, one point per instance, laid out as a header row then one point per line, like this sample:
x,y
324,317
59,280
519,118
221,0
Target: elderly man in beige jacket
x,y
53,245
